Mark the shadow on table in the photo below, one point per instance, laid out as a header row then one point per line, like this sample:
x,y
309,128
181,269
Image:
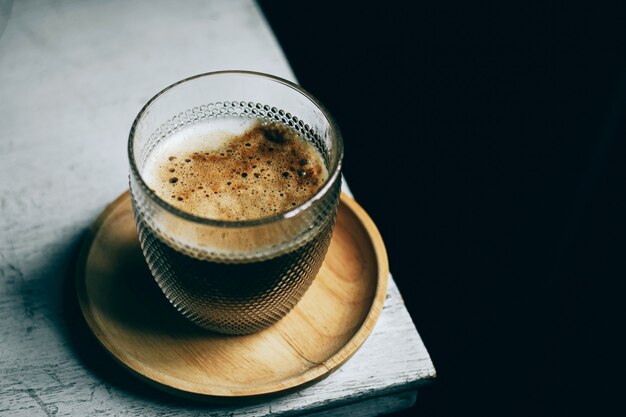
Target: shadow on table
x,y
97,360
126,293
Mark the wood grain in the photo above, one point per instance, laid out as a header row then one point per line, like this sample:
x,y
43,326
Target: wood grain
x,y
135,323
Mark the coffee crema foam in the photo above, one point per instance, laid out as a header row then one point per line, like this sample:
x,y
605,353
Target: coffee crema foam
x,y
235,169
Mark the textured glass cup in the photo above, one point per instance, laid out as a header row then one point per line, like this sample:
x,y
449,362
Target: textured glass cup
x,y
234,277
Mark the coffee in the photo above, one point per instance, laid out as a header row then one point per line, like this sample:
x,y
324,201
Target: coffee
x,y
235,169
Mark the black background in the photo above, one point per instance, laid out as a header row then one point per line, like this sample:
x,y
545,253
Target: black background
x,y
487,141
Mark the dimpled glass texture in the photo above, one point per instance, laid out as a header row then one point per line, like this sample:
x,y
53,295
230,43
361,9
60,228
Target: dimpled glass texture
x,y
246,289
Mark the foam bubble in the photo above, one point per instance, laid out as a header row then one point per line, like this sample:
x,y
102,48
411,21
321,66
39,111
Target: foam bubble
x,y
235,169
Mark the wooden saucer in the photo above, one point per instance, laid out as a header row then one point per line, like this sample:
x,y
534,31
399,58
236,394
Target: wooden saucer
x,y
135,323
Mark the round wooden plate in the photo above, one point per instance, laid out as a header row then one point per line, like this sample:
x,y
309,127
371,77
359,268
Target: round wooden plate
x,y
128,314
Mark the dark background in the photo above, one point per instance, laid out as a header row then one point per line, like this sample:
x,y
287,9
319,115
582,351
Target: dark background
x,y
487,141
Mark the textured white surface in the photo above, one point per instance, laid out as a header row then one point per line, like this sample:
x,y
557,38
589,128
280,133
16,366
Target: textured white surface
x,y
73,75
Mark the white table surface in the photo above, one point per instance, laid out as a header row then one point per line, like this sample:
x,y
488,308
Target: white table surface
x,y
73,75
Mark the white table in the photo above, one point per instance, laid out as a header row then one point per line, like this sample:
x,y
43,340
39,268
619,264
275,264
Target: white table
x,y
73,75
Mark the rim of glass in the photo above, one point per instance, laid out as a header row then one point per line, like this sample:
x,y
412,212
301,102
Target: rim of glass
x,y
334,170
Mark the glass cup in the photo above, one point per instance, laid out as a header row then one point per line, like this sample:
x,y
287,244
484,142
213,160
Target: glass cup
x,y
234,277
